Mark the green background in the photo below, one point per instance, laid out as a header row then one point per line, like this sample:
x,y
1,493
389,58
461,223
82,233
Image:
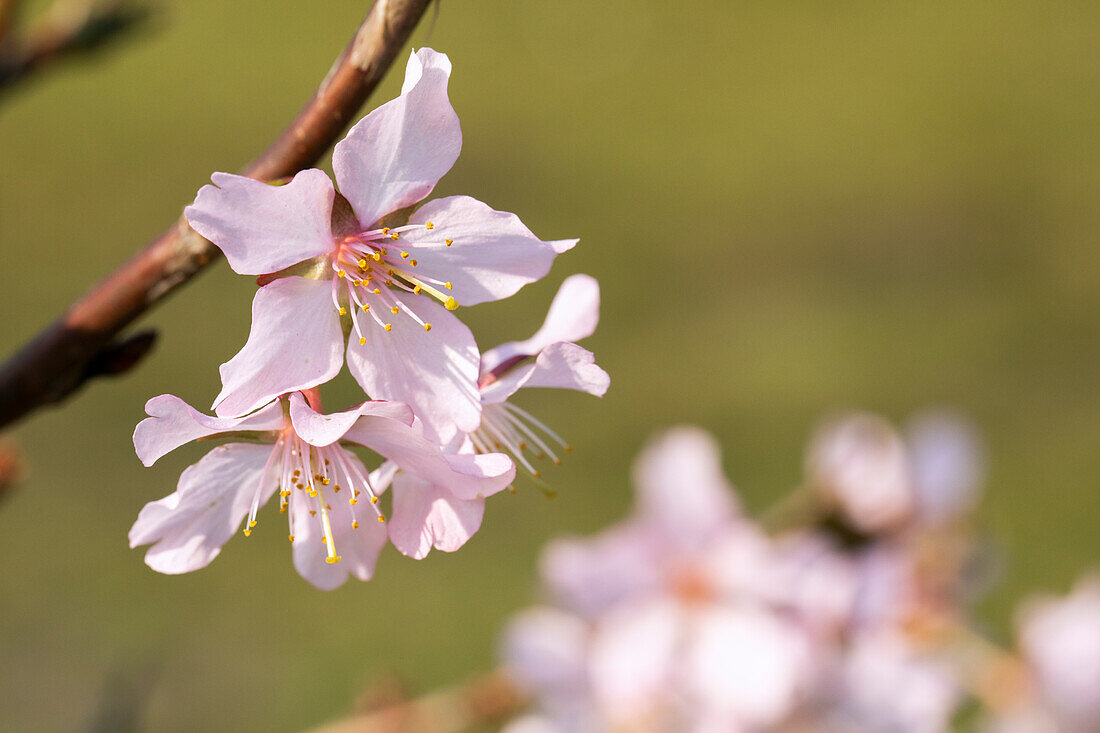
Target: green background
x,y
792,207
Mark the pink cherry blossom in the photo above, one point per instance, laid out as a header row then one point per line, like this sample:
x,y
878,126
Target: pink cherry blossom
x,y
394,285
549,358
331,502
427,515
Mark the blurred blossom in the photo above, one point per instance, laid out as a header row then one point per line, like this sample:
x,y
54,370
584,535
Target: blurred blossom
x,y
859,464
947,462
1060,640
688,616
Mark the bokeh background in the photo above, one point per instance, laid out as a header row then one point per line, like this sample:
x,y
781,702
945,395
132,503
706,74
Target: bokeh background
x,y
791,207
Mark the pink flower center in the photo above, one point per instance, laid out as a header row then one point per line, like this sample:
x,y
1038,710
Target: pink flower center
x,y
309,479
370,265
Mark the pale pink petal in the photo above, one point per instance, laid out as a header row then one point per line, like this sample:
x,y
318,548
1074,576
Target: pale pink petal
x,y
592,575
507,384
263,228
434,372
357,547
681,488
172,422
545,650
383,476
633,657
573,315
295,343
569,366
491,255
947,462
394,156
467,477
319,429
188,527
426,516
748,665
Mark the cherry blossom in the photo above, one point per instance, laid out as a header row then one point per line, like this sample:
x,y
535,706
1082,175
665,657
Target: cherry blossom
x,y
427,515
331,502
356,262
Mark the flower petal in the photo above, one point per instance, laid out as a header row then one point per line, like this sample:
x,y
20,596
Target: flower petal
x,y
188,527
319,429
425,516
394,156
573,315
681,488
467,477
172,422
263,228
569,366
491,255
357,547
295,343
433,372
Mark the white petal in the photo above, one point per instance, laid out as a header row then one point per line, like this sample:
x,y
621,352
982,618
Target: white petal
x,y
172,422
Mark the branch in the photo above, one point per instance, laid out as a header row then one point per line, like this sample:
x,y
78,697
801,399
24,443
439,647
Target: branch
x,y
73,27
56,362
488,699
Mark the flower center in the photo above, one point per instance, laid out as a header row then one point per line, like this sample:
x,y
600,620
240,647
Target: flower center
x,y
309,479
507,427
370,265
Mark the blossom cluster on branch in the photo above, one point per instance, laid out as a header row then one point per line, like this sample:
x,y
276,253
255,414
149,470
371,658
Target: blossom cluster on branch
x,y
372,273
853,614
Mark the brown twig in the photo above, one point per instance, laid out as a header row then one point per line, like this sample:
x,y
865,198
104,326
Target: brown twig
x,y
56,362
485,700
69,27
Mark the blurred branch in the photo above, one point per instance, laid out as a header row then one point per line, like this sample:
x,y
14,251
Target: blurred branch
x,y
60,358
488,699
69,27
12,466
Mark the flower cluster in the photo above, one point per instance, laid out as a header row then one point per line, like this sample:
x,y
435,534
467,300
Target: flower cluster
x,y
372,267
844,609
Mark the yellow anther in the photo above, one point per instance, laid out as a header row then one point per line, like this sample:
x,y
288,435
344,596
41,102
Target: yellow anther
x,y
381,517
429,225
568,449
332,560
282,509
374,500
252,523
404,256
557,461
389,327
362,340
451,303
390,272
536,474
395,310
247,532
385,230
313,512
427,327
355,525
353,501
297,471
290,537
388,282
449,242
366,307
448,285
378,291
377,256
341,273
413,263
325,482
511,489
417,289
324,540
362,263
394,236
336,488
343,311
